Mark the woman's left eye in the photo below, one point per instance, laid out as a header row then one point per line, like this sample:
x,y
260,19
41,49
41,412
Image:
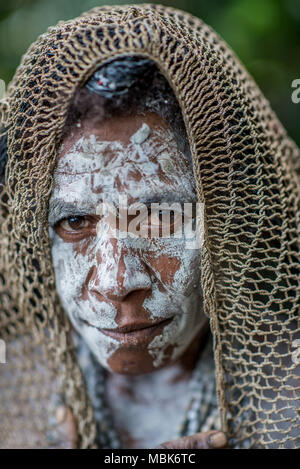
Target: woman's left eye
x,y
160,216
75,223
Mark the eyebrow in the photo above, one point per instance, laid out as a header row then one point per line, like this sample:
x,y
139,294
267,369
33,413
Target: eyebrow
x,y
59,209
167,196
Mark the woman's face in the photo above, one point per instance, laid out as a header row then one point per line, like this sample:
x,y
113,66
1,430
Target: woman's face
x,y
136,300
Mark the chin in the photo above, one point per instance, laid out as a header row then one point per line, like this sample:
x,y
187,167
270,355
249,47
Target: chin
x,y
130,361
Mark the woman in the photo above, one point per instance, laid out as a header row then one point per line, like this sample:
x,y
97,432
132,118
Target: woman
x,y
244,277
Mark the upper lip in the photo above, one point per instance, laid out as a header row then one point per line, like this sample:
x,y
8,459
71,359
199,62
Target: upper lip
x,y
132,327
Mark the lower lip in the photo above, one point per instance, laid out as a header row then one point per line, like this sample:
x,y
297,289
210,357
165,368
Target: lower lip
x,y
137,337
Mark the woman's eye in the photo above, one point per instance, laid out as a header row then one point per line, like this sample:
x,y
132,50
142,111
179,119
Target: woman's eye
x,y
167,222
74,223
158,217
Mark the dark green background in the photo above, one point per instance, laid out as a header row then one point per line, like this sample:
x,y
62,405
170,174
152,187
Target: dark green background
x,y
265,34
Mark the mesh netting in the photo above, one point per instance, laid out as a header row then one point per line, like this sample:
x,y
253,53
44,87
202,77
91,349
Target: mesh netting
x,y
245,169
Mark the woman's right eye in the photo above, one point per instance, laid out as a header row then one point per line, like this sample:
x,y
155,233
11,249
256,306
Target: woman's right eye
x,y
76,227
75,223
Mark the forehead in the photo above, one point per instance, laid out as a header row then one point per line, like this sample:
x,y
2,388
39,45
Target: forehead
x,y
116,129
135,154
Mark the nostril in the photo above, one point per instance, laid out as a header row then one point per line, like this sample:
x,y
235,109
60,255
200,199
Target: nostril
x,y
135,294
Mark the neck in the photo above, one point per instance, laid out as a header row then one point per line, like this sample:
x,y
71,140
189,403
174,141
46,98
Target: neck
x,y
142,406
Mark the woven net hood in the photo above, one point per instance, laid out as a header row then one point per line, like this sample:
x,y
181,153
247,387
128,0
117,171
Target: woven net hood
x,y
245,170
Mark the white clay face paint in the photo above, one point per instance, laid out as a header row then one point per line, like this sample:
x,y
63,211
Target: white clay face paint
x,y
95,171
141,135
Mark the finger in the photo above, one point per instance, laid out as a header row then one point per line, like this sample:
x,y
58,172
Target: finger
x,y
204,440
64,434
67,427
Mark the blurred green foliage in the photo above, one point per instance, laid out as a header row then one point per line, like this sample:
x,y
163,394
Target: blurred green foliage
x,y
265,34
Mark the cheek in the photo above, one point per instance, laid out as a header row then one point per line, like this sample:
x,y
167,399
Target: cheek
x,y
71,269
187,278
166,267
175,266
186,301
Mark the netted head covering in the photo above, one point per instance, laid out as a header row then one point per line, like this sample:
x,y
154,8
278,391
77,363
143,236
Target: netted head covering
x,y
244,166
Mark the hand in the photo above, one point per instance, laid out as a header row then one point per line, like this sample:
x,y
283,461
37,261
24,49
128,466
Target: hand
x,y
204,440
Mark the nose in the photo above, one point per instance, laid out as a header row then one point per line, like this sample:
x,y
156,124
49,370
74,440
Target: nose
x,y
119,271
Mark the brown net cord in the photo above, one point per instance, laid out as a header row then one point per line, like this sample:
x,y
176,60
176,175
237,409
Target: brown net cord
x,y
245,168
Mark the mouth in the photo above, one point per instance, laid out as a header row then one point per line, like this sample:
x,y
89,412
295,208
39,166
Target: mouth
x,y
134,333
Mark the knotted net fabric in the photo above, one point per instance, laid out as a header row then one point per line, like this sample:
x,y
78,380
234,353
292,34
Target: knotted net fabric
x,y
245,169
